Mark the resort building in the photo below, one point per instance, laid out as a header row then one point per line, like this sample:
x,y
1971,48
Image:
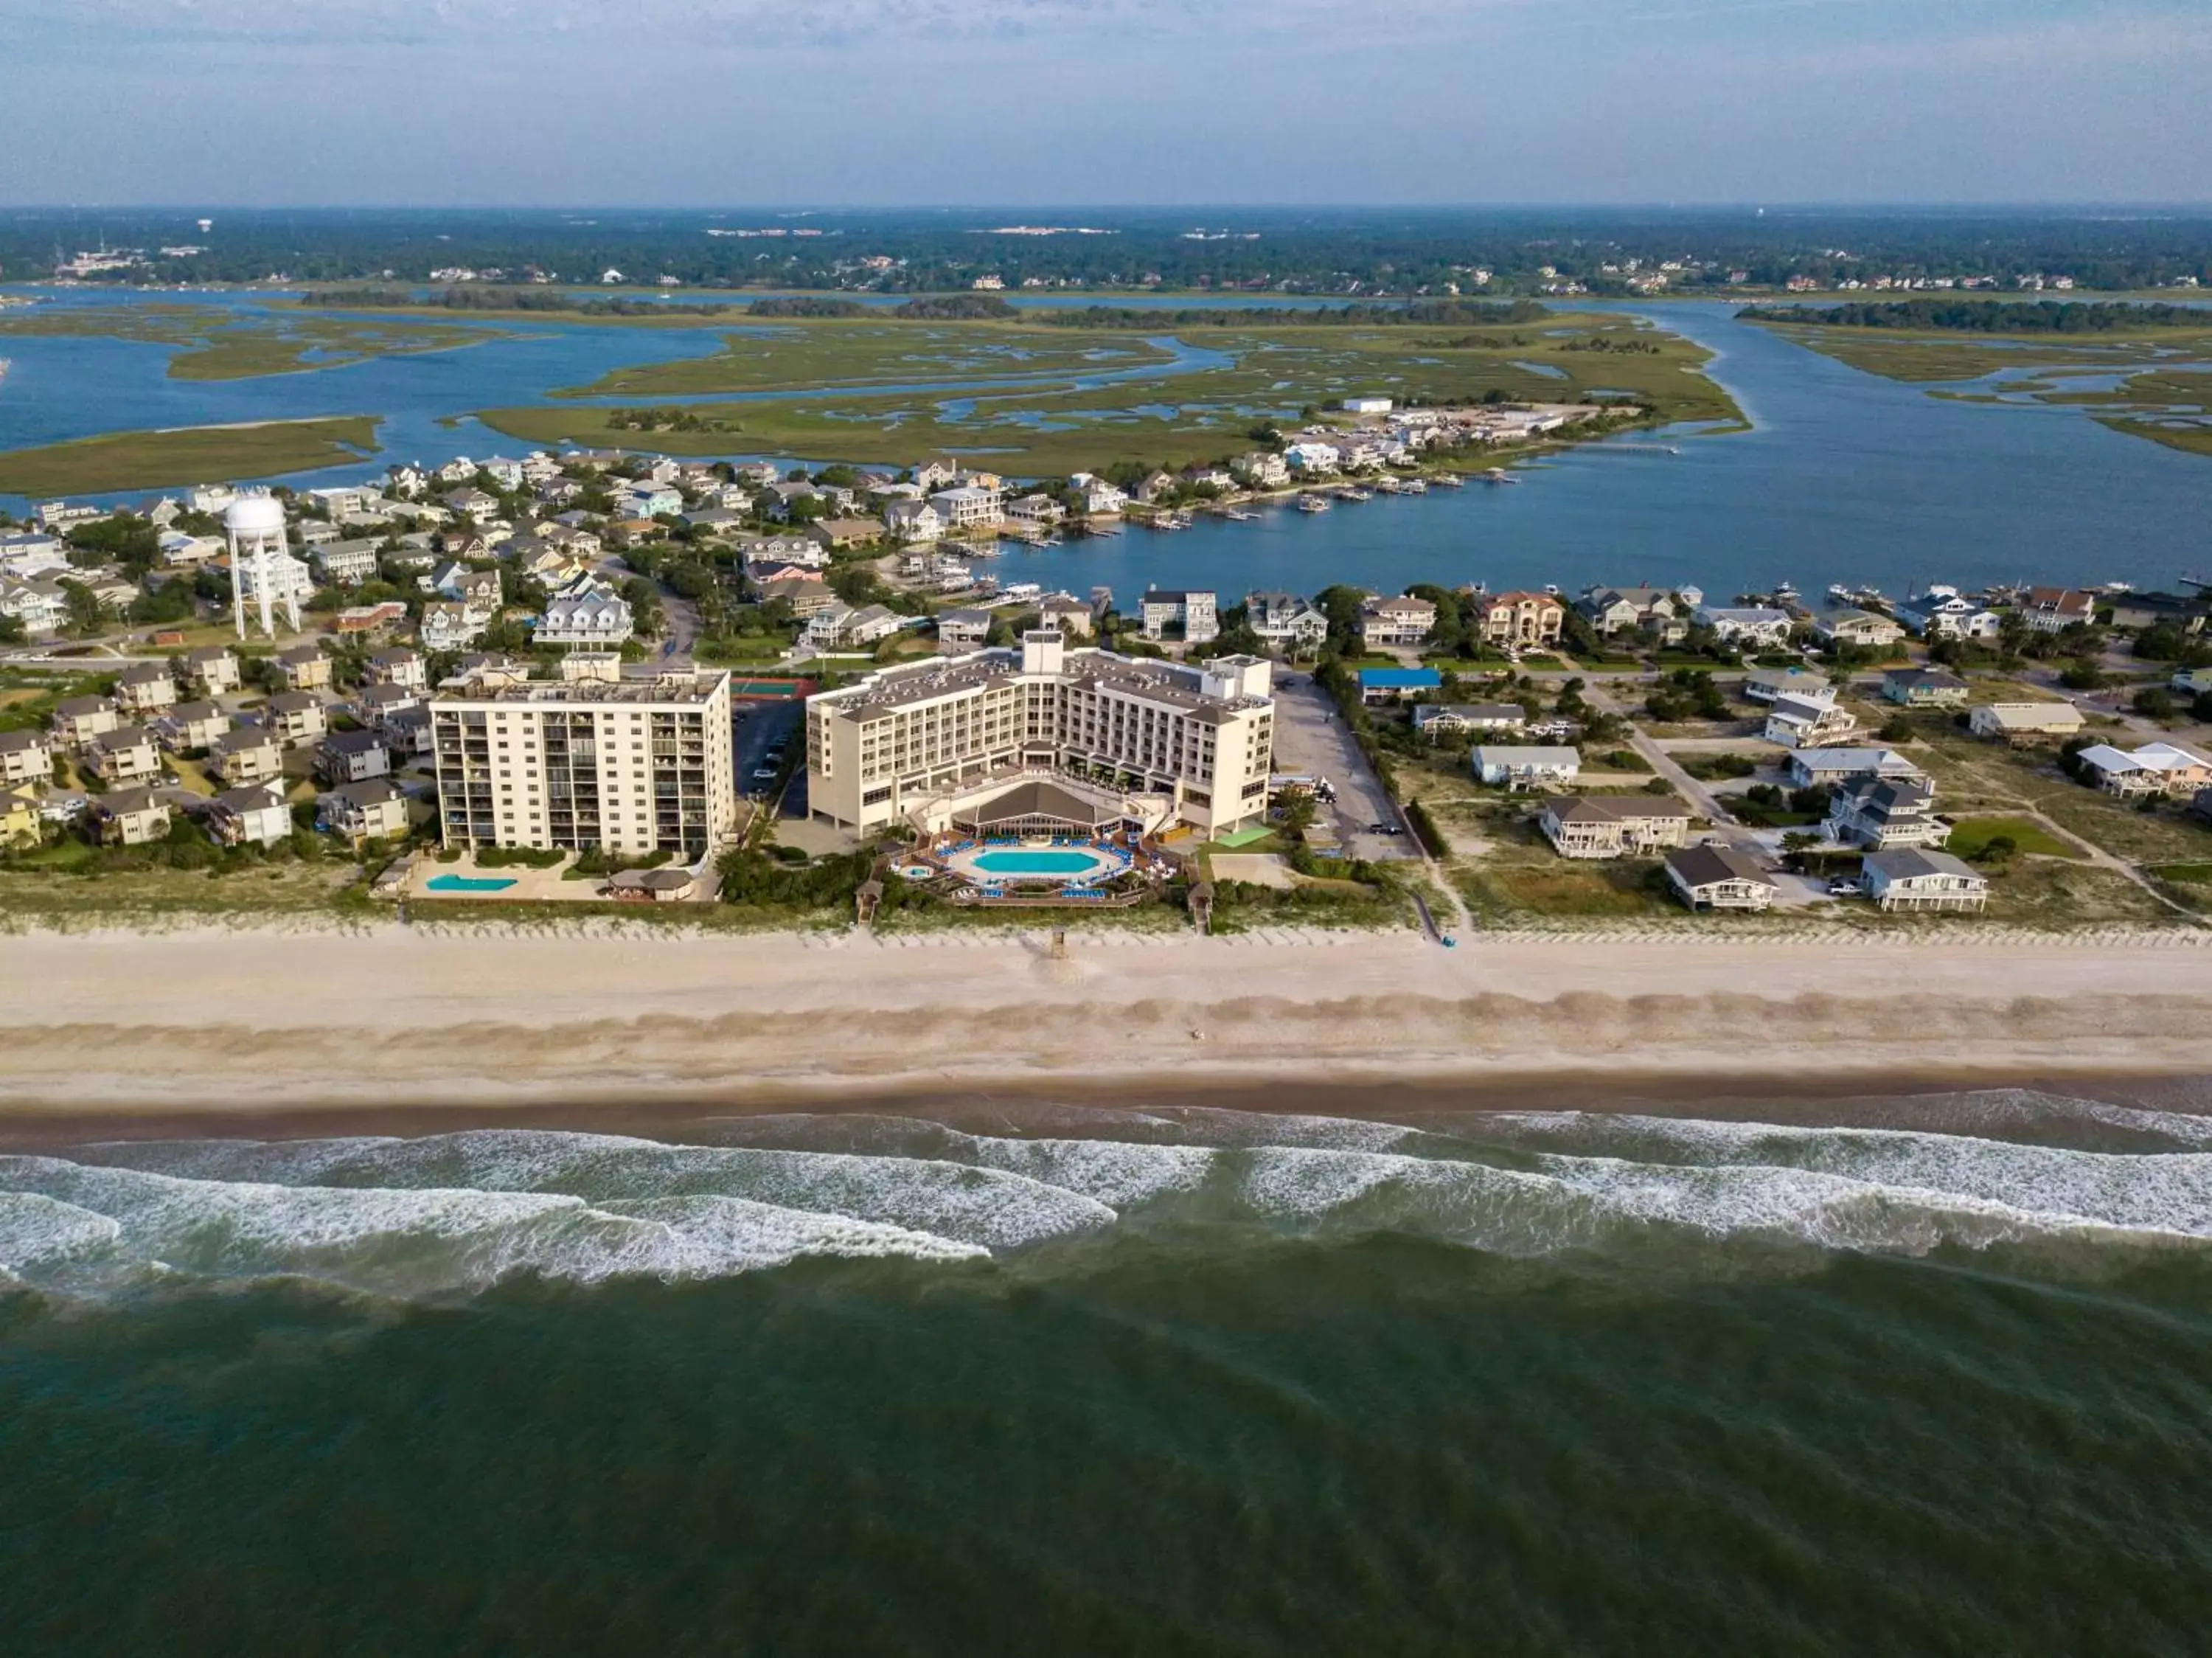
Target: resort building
x,y
1612,825
1914,879
937,744
2016,722
1718,878
636,765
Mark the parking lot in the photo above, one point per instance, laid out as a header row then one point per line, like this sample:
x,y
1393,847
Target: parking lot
x,y
1311,739
755,728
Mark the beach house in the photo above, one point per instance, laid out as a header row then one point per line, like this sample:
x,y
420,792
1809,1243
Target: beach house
x,y
25,757
1518,768
126,754
131,817
1612,825
1521,621
1808,720
252,816
1883,812
359,811
1401,621
2156,768
1191,615
145,688
212,670
2019,721
1923,687
1434,720
344,757
1718,878
1812,767
1912,879
249,754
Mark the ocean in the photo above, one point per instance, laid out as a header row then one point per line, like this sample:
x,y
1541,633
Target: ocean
x,y
1920,1373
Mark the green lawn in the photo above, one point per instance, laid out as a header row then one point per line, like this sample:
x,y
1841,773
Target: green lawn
x,y
189,454
1971,836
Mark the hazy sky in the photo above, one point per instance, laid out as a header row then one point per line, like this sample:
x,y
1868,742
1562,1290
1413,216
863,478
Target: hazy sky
x,y
523,102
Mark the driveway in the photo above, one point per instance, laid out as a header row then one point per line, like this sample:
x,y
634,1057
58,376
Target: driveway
x,y
1312,740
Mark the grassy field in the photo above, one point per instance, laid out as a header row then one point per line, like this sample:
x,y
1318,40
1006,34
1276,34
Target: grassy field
x,y
1052,427
222,344
186,455
1970,837
804,357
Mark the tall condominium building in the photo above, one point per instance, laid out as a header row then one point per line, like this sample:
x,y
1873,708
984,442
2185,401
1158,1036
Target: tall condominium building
x,y
591,759
1120,741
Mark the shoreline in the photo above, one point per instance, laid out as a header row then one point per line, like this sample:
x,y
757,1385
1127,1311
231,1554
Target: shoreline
x,y
247,1026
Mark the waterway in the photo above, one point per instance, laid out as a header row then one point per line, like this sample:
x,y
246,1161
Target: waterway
x,y
1844,477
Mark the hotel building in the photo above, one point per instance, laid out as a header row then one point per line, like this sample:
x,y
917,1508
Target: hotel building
x,y
591,759
1146,744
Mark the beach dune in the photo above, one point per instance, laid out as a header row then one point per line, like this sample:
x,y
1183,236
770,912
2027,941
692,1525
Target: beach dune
x,y
391,1016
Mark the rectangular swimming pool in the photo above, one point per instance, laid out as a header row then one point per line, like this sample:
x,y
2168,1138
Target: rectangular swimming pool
x,y
467,884
1037,863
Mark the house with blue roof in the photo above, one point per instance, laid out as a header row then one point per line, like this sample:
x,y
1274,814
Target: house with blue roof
x,y
1387,684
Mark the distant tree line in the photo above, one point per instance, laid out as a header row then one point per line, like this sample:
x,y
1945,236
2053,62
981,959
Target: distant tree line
x,y
1987,316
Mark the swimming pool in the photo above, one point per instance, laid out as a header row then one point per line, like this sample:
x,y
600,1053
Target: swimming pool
x,y
468,884
1036,863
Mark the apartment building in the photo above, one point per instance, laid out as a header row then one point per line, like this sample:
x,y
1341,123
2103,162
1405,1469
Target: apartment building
x,y
590,760
1146,743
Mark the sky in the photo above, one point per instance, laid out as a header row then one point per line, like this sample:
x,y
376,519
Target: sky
x,y
933,102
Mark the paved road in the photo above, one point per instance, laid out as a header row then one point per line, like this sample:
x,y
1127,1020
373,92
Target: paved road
x,y
1311,738
754,727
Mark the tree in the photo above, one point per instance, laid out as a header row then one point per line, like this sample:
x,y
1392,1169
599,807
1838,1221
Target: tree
x,y
2081,674
87,615
2155,703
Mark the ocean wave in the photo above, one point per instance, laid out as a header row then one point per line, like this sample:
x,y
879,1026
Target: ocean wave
x,y
88,1229
459,1212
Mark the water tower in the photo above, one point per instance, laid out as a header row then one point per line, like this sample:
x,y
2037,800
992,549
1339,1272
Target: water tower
x,y
256,526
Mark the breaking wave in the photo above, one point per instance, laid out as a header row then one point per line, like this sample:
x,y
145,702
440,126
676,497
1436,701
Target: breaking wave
x,y
455,1213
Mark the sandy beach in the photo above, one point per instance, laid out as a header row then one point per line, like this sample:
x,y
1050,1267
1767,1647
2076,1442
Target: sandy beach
x,y
393,1017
